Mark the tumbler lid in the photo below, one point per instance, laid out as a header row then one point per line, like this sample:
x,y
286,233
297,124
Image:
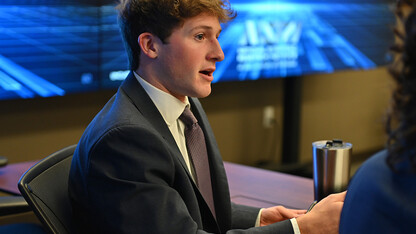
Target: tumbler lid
x,y
332,144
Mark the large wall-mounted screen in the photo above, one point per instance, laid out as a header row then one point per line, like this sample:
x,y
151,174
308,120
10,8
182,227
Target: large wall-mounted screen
x,y
270,39
57,47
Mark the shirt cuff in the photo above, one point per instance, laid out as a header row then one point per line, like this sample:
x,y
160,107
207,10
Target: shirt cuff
x,y
293,221
295,226
258,218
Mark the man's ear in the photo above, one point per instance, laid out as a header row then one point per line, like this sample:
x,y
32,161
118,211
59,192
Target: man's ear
x,y
148,44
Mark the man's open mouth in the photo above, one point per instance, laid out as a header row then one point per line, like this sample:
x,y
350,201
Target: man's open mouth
x,y
207,72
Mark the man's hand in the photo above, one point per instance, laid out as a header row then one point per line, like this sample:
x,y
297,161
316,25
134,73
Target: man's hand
x,y
324,217
278,213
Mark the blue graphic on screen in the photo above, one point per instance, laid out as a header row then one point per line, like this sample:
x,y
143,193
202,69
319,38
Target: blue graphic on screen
x,y
56,47
48,50
274,39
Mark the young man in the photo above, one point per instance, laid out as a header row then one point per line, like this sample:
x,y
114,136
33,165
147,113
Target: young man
x,y
133,171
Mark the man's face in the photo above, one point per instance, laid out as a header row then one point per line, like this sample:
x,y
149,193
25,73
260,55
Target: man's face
x,y
187,61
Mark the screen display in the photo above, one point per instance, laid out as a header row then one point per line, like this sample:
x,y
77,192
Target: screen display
x,y
48,49
55,47
270,39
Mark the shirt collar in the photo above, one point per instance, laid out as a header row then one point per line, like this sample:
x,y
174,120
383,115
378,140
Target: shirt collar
x,y
169,106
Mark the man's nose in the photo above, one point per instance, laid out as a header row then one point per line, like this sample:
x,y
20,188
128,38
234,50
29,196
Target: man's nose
x,y
216,54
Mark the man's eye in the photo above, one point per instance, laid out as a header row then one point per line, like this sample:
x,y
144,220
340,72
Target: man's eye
x,y
200,37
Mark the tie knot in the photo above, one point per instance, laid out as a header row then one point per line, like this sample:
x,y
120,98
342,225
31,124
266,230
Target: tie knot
x,y
187,117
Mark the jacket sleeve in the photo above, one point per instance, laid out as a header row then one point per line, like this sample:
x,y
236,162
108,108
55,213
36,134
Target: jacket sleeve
x,y
244,217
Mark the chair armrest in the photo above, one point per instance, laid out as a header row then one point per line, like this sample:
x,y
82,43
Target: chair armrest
x,y
13,205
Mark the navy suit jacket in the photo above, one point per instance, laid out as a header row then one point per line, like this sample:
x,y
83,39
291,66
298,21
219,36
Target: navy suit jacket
x,y
128,175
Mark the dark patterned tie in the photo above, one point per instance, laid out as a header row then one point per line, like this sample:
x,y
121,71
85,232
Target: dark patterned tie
x,y
197,149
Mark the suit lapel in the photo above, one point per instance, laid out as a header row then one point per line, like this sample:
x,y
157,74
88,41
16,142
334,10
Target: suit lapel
x,y
145,105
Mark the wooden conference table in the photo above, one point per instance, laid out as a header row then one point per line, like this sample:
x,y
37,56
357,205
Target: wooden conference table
x,y
248,185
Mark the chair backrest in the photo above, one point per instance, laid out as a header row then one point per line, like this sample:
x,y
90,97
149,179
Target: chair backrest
x,y
45,188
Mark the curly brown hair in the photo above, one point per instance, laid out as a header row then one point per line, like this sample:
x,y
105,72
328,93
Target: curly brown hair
x,y
160,17
401,118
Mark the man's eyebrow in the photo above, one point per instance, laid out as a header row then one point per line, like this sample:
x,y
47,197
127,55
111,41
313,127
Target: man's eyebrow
x,y
205,27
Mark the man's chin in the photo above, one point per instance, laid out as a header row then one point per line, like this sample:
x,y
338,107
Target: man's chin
x,y
202,93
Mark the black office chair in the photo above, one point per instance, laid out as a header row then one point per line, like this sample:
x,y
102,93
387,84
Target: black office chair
x,y
45,188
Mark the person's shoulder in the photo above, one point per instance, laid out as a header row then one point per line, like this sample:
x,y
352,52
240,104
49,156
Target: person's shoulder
x,y
375,165
117,114
372,171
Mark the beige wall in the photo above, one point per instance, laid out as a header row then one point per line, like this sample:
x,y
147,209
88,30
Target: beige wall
x,y
347,105
235,111
32,129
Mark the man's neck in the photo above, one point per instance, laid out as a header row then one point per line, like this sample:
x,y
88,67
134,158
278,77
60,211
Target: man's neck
x,y
152,80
